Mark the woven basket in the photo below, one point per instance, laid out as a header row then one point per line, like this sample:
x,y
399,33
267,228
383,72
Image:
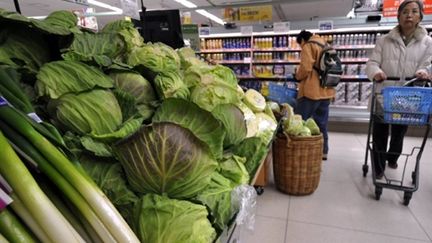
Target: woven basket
x,y
297,163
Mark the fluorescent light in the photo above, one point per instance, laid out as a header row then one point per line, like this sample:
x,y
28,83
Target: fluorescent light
x,y
104,5
210,16
187,3
37,17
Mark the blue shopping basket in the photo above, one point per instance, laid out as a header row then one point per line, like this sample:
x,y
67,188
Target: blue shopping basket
x,y
407,105
281,93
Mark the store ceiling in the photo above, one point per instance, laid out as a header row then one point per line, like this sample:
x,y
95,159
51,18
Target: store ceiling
x,y
283,10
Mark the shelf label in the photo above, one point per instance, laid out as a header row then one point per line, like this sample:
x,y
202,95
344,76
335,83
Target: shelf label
x,y
325,25
204,30
246,30
281,27
247,60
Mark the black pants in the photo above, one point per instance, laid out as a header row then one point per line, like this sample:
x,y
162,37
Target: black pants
x,y
380,135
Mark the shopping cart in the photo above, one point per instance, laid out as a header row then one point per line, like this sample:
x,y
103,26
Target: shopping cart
x,y
406,106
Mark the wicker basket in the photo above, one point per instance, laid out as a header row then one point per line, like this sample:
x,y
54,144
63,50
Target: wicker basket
x,y
297,163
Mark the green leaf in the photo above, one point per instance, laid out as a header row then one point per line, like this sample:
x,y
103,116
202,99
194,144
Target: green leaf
x,y
200,122
217,196
126,29
165,158
100,48
233,168
233,122
96,147
254,150
160,219
61,77
126,129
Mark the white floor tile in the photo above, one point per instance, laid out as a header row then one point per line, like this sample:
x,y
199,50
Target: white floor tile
x,y
271,230
273,203
310,233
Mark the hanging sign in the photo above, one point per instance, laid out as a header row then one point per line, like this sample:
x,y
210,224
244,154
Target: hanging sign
x,y
249,14
390,7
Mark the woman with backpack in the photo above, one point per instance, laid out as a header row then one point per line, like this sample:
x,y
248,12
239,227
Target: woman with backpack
x,y
313,100
404,52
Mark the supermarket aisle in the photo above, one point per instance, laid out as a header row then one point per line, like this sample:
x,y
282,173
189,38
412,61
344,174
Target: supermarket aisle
x,y
343,208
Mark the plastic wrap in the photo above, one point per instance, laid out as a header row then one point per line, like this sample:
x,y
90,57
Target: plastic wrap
x,y
245,196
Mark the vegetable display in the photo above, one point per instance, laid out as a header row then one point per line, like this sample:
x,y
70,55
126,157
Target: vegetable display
x,y
106,138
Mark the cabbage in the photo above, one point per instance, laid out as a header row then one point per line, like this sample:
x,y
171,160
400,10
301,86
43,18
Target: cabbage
x,y
200,122
170,84
233,121
134,84
295,126
266,127
61,77
254,149
217,197
254,100
169,53
153,58
96,112
314,129
129,33
304,132
273,106
234,169
159,219
188,58
251,124
240,92
165,158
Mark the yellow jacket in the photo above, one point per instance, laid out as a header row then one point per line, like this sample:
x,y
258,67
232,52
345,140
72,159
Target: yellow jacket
x,y
309,85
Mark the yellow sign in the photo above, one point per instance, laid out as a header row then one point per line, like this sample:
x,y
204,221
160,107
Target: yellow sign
x,y
249,14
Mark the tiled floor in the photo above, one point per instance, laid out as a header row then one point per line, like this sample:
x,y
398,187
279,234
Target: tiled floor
x,y
343,208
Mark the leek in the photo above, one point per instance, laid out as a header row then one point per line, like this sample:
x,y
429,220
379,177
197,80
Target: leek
x,y
12,229
28,151
26,188
97,200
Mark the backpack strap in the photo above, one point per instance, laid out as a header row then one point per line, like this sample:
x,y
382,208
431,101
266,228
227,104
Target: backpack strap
x,y
319,58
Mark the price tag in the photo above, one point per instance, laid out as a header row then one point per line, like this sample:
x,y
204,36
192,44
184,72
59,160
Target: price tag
x,y
325,25
204,30
34,117
4,200
246,30
4,185
281,27
247,60
3,101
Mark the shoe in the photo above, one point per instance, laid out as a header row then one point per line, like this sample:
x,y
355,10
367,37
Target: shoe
x,y
324,157
393,165
379,176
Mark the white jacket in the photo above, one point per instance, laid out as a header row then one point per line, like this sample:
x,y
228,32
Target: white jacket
x,y
392,57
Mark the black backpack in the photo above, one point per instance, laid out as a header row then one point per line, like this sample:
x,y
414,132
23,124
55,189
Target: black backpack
x,y
328,66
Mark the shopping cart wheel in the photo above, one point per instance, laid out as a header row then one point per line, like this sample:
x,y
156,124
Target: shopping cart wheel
x,y
365,170
378,192
413,177
407,198
259,190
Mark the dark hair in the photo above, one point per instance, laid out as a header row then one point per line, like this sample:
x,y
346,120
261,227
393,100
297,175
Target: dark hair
x,y
406,2
304,35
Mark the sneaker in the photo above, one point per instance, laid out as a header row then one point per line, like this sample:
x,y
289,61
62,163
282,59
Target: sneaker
x,y
393,165
324,157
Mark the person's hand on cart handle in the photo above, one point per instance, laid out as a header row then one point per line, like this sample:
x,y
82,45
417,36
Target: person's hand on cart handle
x,y
422,75
379,77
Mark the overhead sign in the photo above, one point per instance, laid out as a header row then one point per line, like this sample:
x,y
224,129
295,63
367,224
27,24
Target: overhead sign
x,y
281,27
191,36
390,7
249,14
130,8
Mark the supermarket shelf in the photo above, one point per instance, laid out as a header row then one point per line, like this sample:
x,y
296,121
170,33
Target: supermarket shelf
x,y
345,78
354,47
354,60
275,49
281,78
225,50
231,62
275,61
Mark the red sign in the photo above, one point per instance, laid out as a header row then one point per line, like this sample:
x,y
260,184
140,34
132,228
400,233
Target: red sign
x,y
390,7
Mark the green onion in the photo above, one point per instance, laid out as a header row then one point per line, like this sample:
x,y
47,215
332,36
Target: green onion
x,y
12,229
37,203
94,196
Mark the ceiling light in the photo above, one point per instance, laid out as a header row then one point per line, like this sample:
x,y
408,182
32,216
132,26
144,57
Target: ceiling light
x,y
186,3
210,16
104,5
